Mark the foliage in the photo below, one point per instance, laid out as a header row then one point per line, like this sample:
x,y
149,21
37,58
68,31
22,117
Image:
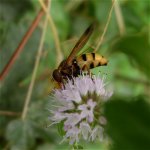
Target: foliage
x,y
129,123
128,71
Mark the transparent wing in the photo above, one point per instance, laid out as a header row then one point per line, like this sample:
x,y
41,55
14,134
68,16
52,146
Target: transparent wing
x,y
89,49
68,45
80,44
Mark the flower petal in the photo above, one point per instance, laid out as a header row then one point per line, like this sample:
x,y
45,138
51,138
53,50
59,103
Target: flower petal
x,y
97,132
85,130
72,119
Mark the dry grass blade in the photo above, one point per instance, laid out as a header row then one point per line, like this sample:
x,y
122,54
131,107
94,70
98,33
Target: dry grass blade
x,y
119,17
106,26
9,113
55,34
30,89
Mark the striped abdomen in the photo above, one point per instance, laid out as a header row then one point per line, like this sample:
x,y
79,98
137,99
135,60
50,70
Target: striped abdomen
x,y
90,60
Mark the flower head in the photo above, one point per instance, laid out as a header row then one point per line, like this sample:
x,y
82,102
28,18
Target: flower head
x,y
80,108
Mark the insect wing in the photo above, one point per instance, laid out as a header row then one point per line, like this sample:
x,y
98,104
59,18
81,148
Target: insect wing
x,y
81,42
87,50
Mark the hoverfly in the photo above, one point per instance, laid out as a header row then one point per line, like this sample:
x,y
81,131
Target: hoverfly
x,y
74,65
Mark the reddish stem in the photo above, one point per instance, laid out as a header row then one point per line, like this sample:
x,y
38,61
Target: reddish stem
x,y
9,113
21,45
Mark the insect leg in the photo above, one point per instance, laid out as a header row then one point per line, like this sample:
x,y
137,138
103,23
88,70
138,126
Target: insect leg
x,y
85,67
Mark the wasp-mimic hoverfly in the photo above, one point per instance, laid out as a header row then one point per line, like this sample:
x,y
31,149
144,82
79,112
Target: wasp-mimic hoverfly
x,y
74,65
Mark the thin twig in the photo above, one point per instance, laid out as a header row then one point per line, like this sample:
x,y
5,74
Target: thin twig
x,y
106,26
55,34
21,45
9,113
30,89
119,17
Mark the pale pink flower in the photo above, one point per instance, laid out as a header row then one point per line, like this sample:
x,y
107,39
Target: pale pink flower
x,y
87,110
85,130
97,132
72,134
79,107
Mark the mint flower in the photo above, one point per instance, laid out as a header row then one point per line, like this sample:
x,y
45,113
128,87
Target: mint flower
x,y
80,109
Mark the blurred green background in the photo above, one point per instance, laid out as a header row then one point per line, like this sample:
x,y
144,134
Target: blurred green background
x,y
126,46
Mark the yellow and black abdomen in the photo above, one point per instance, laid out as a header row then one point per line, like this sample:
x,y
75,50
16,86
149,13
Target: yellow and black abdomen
x,y
90,60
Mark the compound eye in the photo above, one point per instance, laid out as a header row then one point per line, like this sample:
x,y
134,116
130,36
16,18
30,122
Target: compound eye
x,y
57,75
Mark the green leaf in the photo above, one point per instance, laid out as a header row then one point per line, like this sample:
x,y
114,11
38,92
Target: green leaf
x,y
61,19
60,128
101,10
77,147
20,135
12,10
137,47
43,133
101,6
45,146
128,123
135,14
